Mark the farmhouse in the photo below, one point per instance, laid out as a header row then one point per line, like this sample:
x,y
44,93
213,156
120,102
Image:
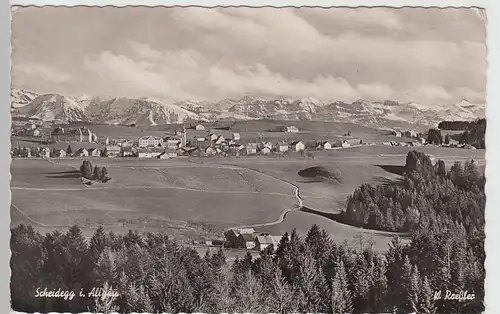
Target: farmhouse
x,y
327,145
282,147
264,241
265,151
396,133
232,236
251,148
210,151
129,151
246,241
200,127
292,129
298,146
220,140
94,152
82,152
150,141
236,137
61,153
35,132
172,144
267,144
213,137
112,151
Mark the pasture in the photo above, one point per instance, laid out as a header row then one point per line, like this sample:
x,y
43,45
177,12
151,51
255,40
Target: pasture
x,y
169,195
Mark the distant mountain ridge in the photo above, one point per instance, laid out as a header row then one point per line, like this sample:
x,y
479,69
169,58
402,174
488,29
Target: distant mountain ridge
x,y
144,111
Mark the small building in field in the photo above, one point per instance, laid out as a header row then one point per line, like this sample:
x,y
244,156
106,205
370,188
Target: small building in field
x,y
232,236
282,147
35,132
298,146
292,129
200,127
94,152
45,152
265,241
236,137
210,151
172,144
61,153
265,151
327,145
128,151
112,151
251,148
268,145
213,137
82,152
396,133
220,139
246,241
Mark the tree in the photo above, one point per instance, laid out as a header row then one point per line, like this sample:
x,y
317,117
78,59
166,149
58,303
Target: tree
x,y
447,139
86,170
340,296
69,151
106,303
97,175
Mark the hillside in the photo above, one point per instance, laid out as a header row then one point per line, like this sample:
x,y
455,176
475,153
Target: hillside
x,y
143,111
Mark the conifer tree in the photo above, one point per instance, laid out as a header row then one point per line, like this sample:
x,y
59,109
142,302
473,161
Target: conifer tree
x,y
340,297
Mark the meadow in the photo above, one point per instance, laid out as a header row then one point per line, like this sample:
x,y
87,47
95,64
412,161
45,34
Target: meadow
x,y
170,195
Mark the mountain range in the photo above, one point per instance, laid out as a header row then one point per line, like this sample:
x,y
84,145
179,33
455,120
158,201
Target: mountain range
x,y
144,111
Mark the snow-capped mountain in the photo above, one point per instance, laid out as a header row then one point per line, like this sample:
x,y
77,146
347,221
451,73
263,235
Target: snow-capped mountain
x,y
144,111
50,107
21,97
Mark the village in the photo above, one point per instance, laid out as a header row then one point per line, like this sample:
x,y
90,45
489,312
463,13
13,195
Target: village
x,y
83,142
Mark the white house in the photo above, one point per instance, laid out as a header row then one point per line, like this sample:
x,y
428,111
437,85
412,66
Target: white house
x,y
112,151
94,152
150,141
35,132
200,127
251,148
210,150
236,137
46,152
345,144
265,241
282,147
396,133
292,129
61,153
82,152
298,146
213,137
327,145
265,150
220,140
172,144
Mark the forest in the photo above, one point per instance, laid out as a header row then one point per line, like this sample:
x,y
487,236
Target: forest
x,y
426,196
474,132
152,273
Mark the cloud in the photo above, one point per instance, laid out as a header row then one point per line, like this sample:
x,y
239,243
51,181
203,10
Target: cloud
x,y
195,53
40,71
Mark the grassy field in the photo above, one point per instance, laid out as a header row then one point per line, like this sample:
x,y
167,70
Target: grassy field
x,y
170,195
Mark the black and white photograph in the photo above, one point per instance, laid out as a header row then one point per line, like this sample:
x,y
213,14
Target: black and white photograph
x,y
247,159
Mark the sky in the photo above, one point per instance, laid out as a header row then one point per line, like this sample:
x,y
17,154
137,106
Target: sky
x,y
429,56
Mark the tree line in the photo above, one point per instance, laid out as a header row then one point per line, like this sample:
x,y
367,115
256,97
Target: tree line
x,y
459,125
427,196
152,273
